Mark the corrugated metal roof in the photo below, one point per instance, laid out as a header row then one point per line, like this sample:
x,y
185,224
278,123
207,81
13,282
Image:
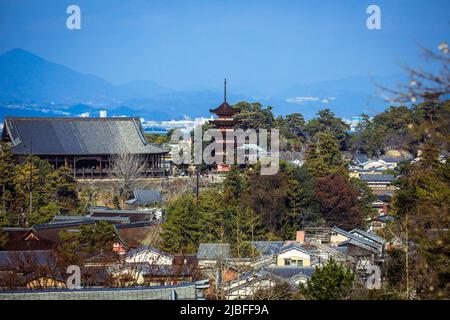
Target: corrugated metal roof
x,y
370,236
144,197
354,239
78,136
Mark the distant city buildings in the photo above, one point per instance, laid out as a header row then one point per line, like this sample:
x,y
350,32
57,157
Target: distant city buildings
x,y
164,126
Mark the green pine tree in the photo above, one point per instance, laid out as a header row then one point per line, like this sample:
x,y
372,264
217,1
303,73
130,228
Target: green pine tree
x,y
180,231
324,157
332,281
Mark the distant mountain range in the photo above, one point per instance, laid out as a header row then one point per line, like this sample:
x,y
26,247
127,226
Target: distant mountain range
x,y
33,86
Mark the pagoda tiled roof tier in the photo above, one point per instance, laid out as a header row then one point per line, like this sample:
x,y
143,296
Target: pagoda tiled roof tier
x,y
224,109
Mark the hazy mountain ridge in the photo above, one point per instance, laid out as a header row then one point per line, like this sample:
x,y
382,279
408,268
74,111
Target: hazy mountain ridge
x,y
31,85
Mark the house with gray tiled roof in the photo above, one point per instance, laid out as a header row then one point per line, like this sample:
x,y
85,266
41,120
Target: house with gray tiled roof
x,y
209,254
379,181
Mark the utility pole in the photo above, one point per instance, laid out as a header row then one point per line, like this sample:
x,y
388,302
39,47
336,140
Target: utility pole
x,y
197,182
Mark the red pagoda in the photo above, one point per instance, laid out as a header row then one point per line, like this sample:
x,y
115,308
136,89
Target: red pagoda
x,y
224,123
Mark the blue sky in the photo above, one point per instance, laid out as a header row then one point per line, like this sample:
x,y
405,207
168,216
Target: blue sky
x,y
264,45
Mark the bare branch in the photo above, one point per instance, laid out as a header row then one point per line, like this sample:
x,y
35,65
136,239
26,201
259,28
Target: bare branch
x,y
127,169
422,84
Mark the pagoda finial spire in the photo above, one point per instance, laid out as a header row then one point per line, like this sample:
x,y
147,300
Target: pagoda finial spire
x,y
225,90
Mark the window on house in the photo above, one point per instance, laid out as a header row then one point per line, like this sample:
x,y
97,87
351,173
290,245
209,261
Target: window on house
x,y
300,263
287,262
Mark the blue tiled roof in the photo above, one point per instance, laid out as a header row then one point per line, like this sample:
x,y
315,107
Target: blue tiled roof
x,y
360,158
290,271
385,218
268,247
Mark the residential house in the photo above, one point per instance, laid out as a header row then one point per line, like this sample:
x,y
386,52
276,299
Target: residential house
x,y
360,246
383,182
149,255
357,172
151,274
380,222
292,275
294,255
248,285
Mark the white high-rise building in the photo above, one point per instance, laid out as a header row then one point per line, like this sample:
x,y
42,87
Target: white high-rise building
x,y
103,114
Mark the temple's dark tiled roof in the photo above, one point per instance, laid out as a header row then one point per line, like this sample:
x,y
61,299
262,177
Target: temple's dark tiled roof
x,y
113,220
63,224
77,136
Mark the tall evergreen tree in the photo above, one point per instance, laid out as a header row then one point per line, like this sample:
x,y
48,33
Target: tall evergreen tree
x,y
323,156
181,229
7,169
